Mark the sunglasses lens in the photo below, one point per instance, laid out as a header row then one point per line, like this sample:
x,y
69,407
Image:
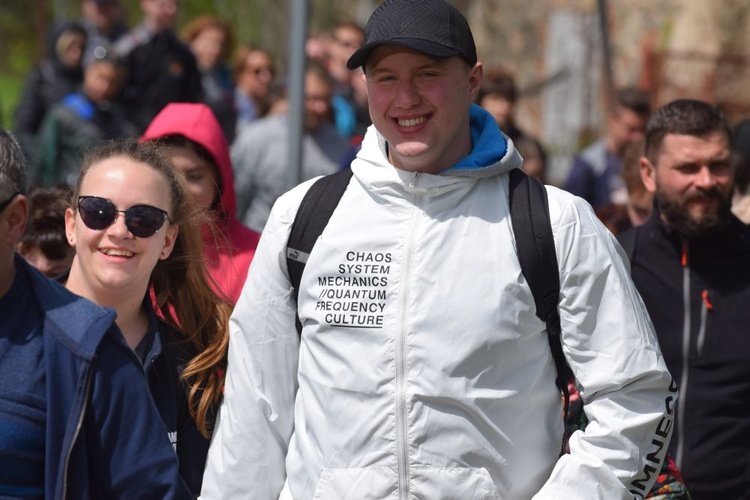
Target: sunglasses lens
x,y
96,213
143,221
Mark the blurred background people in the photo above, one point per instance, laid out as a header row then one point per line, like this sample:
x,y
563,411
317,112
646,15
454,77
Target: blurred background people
x,y
741,160
316,48
636,206
595,173
44,244
211,40
160,68
534,158
253,70
104,22
59,74
260,152
82,120
350,113
193,141
498,95
138,251
640,200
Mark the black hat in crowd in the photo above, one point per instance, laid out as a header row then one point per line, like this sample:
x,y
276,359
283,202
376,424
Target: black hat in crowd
x,y
433,27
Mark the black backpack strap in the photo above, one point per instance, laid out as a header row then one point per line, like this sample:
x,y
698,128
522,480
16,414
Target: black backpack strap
x,y
312,217
529,214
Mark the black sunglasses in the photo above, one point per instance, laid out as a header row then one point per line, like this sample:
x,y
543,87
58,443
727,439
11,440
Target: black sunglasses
x,y
5,204
141,220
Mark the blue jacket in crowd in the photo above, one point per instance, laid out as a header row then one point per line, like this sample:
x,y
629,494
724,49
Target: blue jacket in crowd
x,y
104,437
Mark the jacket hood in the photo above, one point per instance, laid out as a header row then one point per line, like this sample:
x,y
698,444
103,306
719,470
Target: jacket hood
x,y
197,123
492,152
53,35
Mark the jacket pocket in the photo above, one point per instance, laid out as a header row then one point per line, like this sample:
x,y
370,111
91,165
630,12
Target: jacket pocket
x,y
427,483
365,483
455,483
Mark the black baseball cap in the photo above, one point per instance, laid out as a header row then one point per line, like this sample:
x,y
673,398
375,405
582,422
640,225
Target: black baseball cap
x,y
433,27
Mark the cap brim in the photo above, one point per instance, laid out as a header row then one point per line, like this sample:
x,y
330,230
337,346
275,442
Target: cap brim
x,y
426,47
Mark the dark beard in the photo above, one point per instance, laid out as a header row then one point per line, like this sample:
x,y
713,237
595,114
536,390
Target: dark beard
x,y
685,225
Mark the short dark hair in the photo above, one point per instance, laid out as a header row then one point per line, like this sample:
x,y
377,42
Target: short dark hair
x,y
45,227
635,99
498,81
13,175
684,117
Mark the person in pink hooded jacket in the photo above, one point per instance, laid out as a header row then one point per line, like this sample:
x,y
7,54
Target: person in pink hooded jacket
x,y
194,141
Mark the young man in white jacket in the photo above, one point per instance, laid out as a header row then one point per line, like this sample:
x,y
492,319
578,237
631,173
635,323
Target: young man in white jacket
x,y
422,370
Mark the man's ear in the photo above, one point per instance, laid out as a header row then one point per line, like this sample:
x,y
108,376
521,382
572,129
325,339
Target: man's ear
x,y
16,215
648,174
476,73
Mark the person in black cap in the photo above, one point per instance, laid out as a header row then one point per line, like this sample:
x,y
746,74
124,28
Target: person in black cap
x,y
421,369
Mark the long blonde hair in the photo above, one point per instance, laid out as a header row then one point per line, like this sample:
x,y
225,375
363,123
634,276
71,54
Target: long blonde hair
x,y
181,285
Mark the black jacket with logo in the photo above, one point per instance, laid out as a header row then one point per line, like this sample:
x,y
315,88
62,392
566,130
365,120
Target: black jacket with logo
x,y
165,360
697,293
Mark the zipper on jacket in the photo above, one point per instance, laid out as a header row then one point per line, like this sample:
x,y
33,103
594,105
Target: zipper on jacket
x,y
413,182
402,426
79,424
685,355
707,306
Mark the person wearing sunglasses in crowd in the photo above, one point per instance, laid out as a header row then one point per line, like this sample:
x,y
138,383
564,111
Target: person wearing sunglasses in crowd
x,y
70,388
193,140
138,251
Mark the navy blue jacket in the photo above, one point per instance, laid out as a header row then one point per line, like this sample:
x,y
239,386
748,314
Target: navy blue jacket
x,y
104,437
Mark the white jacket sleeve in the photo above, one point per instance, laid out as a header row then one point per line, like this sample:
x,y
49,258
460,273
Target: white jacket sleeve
x,y
609,342
256,419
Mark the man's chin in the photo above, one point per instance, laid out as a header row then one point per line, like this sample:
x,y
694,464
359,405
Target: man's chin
x,y
696,223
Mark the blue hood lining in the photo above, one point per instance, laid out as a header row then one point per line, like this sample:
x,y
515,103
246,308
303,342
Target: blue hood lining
x,y
490,145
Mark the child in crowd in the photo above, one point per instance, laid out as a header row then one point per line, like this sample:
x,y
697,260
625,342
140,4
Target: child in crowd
x,y
83,119
43,243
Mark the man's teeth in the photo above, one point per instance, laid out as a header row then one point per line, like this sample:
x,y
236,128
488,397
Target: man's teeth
x,y
412,122
117,253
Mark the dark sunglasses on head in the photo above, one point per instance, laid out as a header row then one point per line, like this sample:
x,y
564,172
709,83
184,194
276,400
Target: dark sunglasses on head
x,y
141,220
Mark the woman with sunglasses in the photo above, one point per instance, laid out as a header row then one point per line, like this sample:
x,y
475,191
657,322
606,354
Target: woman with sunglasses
x,y
138,251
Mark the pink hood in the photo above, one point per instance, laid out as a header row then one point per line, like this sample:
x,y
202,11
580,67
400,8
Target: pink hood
x,y
198,123
228,255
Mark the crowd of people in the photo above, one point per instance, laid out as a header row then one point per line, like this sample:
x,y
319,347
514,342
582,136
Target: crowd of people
x,y
155,343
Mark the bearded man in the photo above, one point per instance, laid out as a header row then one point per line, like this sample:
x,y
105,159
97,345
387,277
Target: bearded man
x,y
691,264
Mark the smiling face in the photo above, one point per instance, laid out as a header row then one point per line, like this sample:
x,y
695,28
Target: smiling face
x,y
692,179
112,265
421,106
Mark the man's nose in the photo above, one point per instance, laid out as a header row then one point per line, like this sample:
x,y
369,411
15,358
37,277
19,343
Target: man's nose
x,y
705,178
406,94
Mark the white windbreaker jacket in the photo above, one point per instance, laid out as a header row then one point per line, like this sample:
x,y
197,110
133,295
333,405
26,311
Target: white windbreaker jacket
x,y
423,370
